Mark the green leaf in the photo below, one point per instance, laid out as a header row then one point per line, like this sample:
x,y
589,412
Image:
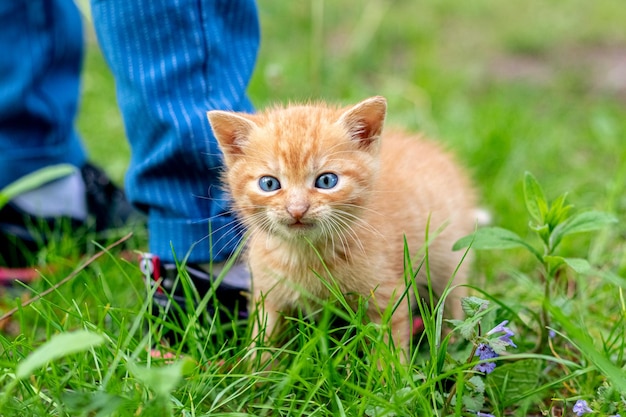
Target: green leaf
x,y
467,328
34,180
474,395
162,380
583,222
558,212
535,199
489,238
588,221
473,401
581,266
58,346
477,384
473,305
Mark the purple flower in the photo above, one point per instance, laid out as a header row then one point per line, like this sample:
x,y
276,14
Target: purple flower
x,y
479,414
484,352
486,367
507,339
508,333
500,328
581,407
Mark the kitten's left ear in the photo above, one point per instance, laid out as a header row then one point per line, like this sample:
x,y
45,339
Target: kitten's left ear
x,y
231,131
365,120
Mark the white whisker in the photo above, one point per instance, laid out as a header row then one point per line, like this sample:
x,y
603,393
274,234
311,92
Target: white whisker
x,y
357,220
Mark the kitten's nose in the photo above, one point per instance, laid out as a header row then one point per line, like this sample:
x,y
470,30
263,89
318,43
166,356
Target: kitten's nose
x,y
298,210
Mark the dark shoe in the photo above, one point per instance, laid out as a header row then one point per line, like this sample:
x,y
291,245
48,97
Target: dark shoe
x,y
23,235
107,205
231,293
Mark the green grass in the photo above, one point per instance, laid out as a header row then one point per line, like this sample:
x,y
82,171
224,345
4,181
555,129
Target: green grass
x,y
510,87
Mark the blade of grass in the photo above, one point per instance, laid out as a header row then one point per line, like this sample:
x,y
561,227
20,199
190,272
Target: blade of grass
x,y
34,180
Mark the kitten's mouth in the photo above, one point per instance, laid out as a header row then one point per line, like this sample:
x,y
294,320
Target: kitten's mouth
x,y
298,225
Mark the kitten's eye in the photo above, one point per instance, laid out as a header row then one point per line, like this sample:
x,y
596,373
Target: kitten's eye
x,y
269,184
326,181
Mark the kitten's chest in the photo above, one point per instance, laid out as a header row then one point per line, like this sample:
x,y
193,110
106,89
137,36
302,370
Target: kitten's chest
x,y
291,275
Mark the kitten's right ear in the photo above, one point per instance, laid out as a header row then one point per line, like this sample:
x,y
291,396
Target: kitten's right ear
x,y
231,131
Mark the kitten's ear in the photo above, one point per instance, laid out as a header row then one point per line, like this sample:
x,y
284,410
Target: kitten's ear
x,y
231,131
365,120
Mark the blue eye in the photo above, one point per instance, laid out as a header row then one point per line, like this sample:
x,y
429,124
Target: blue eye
x,y
326,181
269,184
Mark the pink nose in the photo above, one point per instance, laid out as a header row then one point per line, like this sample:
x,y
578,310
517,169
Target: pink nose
x,y
297,211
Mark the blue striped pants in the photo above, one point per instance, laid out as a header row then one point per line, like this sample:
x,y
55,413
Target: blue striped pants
x,y
172,61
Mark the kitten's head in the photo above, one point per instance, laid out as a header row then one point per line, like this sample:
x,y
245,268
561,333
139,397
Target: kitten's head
x,y
301,171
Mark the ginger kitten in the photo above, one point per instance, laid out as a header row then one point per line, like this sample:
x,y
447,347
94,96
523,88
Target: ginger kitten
x,y
316,179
